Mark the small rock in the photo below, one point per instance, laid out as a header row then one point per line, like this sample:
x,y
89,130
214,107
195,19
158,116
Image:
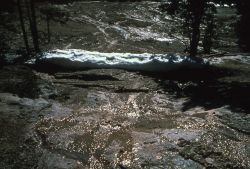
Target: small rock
x,y
209,160
182,142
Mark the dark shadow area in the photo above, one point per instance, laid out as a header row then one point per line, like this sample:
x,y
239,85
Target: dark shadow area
x,y
49,68
206,89
125,90
217,94
86,77
66,73
19,80
186,74
86,85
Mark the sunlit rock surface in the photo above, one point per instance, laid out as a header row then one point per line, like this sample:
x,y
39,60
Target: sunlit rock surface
x,y
119,119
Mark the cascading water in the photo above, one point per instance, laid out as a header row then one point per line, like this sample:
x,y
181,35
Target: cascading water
x,y
81,59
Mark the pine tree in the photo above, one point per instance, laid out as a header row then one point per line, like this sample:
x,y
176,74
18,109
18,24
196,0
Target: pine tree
x,y
196,8
243,7
21,19
33,24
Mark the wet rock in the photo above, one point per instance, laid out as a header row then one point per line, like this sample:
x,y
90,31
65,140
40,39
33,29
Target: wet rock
x,y
209,160
179,134
240,122
51,160
182,142
208,157
25,82
9,99
100,128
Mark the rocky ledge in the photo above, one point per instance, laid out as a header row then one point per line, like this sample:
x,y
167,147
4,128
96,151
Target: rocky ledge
x,y
114,119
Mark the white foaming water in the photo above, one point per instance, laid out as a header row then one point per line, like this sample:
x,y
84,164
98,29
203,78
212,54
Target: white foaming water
x,y
82,59
243,59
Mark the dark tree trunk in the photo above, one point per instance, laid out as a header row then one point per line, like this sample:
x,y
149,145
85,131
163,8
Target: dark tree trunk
x,y
197,11
209,33
243,7
25,38
195,37
48,27
35,32
33,24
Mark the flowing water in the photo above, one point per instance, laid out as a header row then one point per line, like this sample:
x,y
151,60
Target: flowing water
x,y
122,29
128,27
119,27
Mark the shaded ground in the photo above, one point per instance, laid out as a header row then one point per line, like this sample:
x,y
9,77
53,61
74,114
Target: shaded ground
x,y
120,119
